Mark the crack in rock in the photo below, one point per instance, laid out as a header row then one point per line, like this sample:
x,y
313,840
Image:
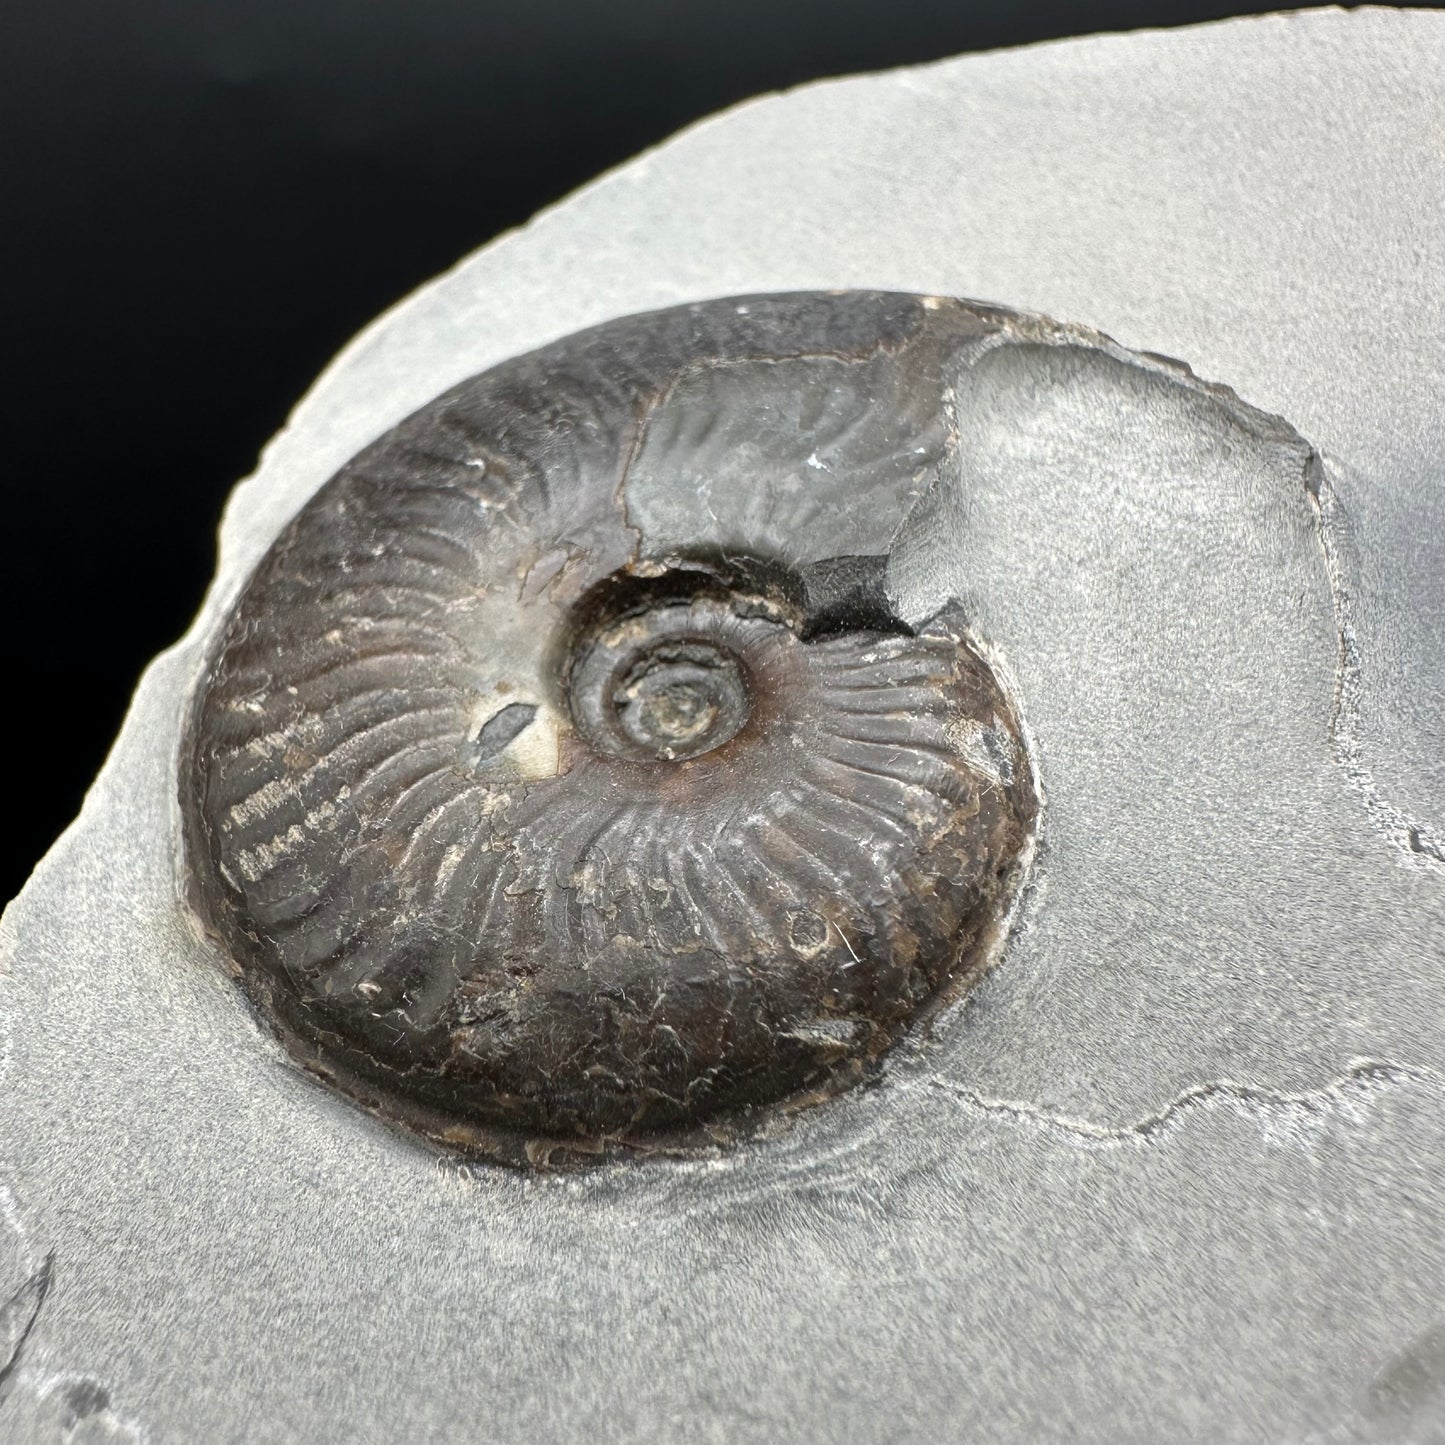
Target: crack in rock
x,y
1418,841
18,1318
1364,1079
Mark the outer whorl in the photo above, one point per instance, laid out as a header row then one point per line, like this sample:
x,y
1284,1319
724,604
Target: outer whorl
x,y
565,780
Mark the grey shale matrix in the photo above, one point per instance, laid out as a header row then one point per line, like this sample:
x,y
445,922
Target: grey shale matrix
x,y
1148,1131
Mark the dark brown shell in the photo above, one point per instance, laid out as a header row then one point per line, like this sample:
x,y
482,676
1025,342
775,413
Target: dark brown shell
x,y
565,779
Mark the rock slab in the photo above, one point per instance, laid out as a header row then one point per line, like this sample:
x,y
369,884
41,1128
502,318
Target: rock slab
x,y
1173,1171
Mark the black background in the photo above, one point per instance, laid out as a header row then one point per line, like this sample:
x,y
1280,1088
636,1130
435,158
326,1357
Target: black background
x,y
203,201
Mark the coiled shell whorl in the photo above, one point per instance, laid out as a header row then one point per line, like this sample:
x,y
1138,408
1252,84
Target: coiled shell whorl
x,y
565,779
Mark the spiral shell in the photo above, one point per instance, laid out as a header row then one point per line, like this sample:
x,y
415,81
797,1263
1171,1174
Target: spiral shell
x,y
566,781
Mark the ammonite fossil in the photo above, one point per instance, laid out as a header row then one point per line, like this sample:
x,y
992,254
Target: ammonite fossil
x,y
568,780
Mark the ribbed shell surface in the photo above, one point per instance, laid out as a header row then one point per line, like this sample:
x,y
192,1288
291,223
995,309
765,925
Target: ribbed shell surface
x,y
474,915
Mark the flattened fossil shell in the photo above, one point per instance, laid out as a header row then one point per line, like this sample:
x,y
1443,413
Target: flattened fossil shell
x,y
565,778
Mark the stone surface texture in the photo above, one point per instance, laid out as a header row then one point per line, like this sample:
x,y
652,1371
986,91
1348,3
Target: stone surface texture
x,y
1172,1172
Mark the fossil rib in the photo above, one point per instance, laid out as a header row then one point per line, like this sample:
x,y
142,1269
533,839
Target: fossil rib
x,y
565,779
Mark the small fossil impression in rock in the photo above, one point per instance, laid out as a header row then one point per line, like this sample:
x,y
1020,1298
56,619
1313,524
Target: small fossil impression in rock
x,y
568,780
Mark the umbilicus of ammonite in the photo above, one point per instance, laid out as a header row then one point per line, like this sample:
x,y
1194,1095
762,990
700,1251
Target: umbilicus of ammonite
x,y
567,781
